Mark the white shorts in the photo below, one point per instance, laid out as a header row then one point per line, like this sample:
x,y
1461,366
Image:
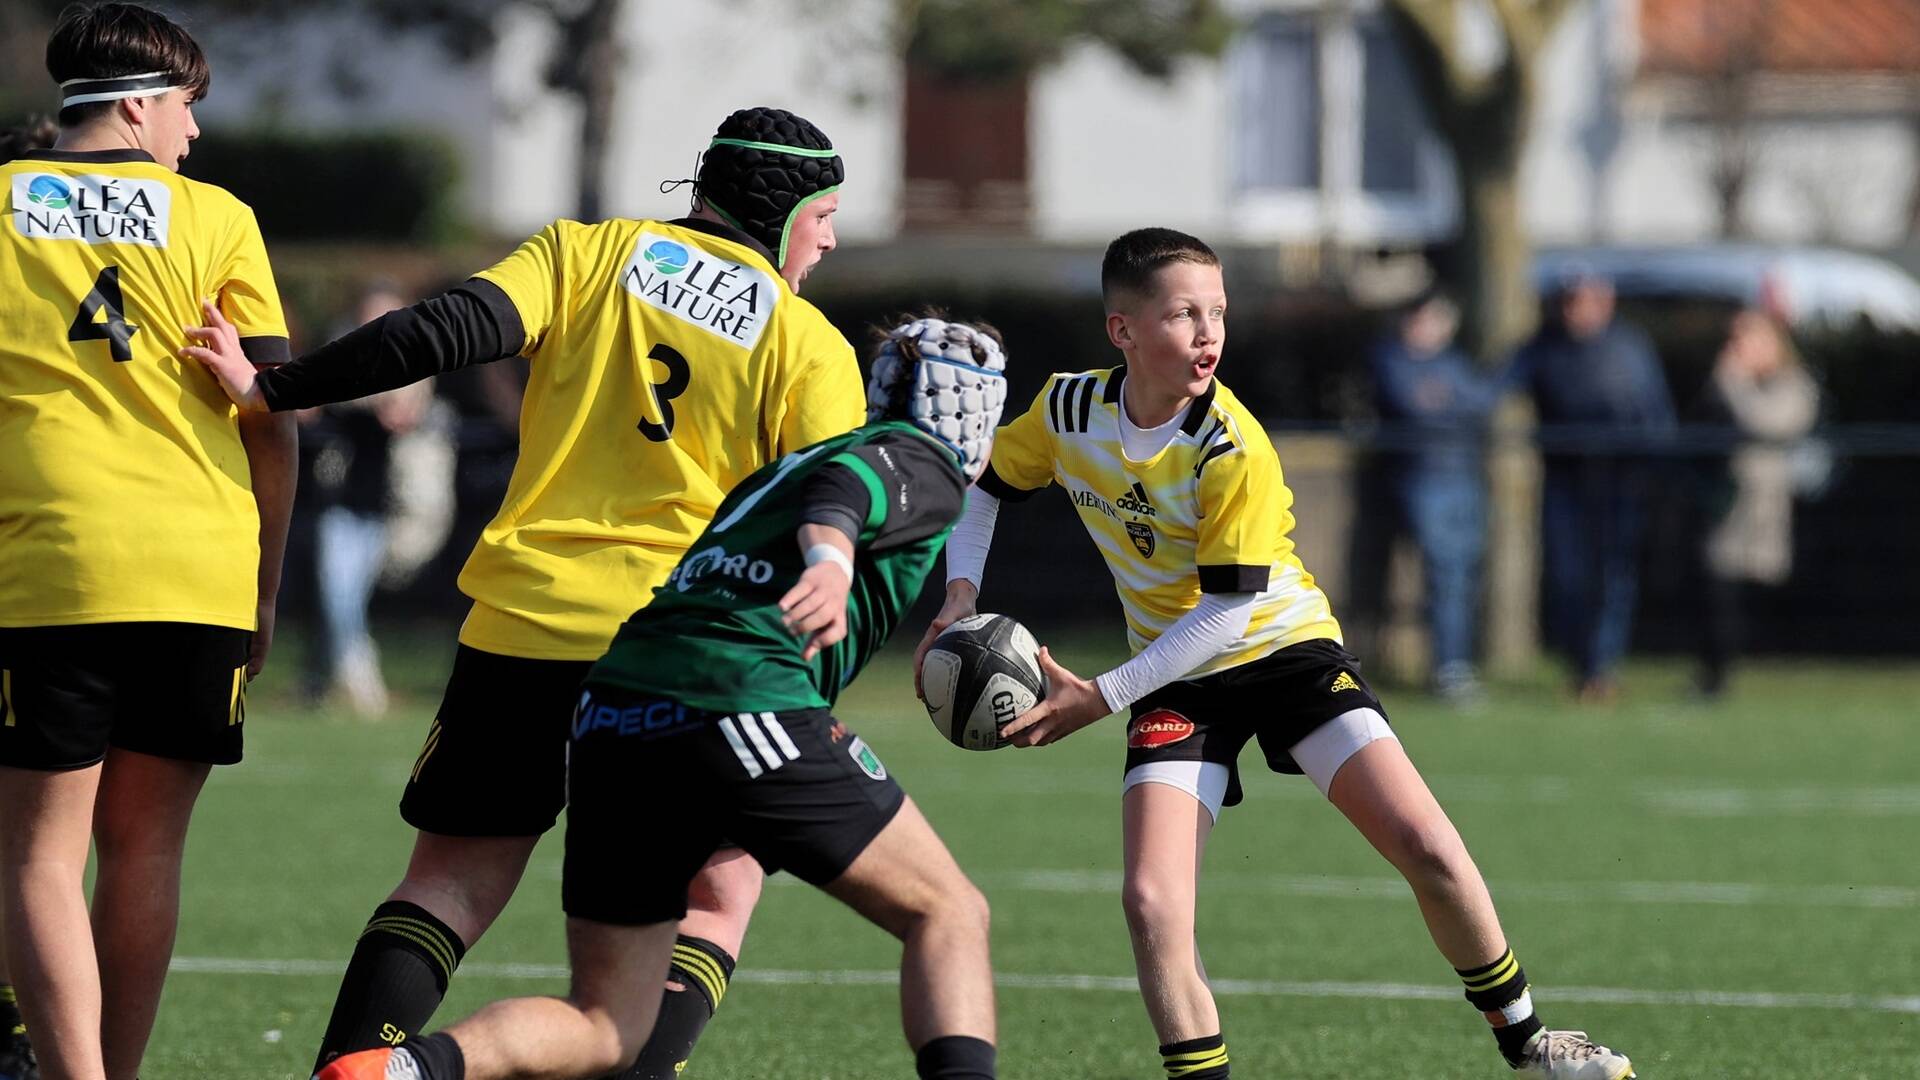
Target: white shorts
x,y
1319,755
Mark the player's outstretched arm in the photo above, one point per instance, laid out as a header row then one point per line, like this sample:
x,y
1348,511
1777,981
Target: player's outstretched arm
x,y
816,607
219,349
1071,704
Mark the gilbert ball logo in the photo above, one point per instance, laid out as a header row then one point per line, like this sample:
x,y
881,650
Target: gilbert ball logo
x,y
49,192
666,256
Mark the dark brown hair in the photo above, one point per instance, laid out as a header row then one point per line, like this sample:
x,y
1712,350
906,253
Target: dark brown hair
x,y
878,333
37,133
1133,259
106,41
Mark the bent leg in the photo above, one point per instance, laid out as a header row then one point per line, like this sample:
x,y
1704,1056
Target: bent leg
x,y
140,830
1165,833
48,819
1380,791
454,888
598,1027
907,883
720,903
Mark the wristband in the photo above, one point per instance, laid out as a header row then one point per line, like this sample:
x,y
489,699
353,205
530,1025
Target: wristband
x,y
828,553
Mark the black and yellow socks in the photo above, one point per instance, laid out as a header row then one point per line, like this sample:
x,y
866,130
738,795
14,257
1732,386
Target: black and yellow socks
x,y
955,1057
703,968
1499,991
435,1057
12,1027
1196,1059
398,974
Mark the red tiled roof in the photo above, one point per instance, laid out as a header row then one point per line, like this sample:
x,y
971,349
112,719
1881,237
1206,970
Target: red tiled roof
x,y
1805,36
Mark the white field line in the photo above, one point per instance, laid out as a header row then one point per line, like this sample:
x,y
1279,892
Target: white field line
x,y
1683,797
1593,995
1721,894
1731,894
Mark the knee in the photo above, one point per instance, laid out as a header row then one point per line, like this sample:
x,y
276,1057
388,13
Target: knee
x,y
727,887
1154,909
968,910
1428,853
952,908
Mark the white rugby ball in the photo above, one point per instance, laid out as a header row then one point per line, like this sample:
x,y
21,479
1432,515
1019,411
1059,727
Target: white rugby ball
x,y
979,676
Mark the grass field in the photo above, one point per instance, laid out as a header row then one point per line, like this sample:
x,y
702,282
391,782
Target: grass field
x,y
1722,891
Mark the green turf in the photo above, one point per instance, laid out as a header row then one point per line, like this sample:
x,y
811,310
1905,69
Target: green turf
x,y
1592,825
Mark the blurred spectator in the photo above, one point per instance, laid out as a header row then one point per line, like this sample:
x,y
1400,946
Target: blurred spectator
x,y
1759,390
1436,404
1603,406
382,473
36,134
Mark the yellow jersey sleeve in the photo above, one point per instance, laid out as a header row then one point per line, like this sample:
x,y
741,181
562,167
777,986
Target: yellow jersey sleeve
x,y
1243,511
1023,451
827,396
248,296
532,278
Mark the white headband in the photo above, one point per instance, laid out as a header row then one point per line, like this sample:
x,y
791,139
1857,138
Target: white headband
x,y
149,84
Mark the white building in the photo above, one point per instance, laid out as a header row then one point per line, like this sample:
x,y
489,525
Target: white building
x,y
1305,132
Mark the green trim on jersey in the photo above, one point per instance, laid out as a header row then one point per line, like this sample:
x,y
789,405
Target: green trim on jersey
x,y
877,508
713,638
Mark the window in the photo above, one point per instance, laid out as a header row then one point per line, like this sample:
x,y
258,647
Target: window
x,y
1330,137
1280,99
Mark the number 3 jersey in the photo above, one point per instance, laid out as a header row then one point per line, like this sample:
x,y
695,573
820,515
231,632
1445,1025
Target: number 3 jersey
x,y
668,363
1209,513
125,494
713,637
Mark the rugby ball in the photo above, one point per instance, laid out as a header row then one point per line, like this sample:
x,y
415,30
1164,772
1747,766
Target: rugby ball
x,y
980,675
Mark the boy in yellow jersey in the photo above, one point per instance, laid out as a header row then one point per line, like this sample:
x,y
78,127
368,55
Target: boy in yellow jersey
x,y
141,527
669,360
1182,493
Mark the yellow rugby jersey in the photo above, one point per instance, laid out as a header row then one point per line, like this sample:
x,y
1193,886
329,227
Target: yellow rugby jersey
x,y
125,495
668,363
1209,513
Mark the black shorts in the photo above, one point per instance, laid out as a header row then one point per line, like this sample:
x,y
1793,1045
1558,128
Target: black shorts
x,y
656,787
1279,699
495,759
173,690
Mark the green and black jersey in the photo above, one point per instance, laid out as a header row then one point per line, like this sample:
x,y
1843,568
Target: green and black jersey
x,y
712,637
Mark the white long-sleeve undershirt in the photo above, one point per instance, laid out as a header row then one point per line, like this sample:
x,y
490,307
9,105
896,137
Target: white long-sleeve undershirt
x,y
1196,637
972,536
1215,622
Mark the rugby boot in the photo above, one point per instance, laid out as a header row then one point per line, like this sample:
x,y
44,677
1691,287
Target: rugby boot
x,y
1570,1055
381,1063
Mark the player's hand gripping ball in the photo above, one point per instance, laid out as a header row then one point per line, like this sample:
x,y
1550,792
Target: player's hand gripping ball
x,y
979,675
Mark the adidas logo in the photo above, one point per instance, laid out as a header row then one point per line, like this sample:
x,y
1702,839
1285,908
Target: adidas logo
x,y
1344,681
1136,502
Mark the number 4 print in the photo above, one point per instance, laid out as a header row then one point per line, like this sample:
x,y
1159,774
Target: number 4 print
x,y
88,326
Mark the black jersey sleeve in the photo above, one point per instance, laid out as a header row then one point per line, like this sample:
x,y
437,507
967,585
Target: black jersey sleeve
x,y
472,323
921,483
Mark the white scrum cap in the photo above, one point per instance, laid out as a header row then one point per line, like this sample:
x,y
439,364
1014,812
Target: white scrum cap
x,y
946,378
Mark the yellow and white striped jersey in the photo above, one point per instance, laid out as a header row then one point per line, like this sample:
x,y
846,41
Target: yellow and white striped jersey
x,y
1209,513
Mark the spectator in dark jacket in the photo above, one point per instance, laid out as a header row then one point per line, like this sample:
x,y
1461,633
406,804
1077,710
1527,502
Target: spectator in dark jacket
x,y
1604,408
1435,404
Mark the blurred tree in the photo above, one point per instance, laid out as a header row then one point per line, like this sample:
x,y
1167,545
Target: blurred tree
x,y
583,62
993,40
1480,105
965,102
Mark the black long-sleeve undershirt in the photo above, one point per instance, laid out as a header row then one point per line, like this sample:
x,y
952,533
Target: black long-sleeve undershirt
x,y
472,323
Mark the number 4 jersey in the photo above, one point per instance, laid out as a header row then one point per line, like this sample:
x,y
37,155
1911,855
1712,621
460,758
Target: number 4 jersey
x,y
125,494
